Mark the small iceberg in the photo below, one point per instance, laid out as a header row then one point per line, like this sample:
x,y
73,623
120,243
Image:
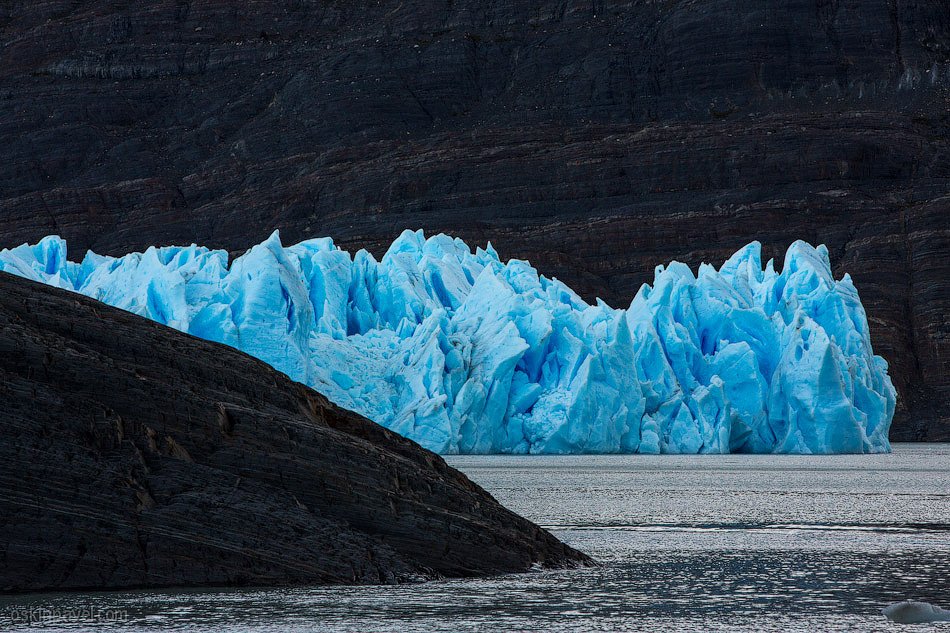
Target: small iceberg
x,y
909,612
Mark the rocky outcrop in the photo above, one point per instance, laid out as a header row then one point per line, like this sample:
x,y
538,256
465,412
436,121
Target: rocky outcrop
x,y
596,139
132,455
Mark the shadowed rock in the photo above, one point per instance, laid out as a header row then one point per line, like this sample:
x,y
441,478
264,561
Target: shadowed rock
x,y
133,455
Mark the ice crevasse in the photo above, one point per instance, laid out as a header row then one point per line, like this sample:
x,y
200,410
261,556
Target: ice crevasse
x,y
464,353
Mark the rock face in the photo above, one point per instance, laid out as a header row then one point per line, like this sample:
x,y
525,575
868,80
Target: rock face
x,y
133,455
593,138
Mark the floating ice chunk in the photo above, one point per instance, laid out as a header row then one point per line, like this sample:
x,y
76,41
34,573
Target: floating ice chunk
x,y
909,612
465,353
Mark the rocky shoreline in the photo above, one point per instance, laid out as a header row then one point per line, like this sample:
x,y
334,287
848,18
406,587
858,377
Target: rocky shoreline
x,y
136,456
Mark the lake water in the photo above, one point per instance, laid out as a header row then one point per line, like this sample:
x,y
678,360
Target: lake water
x,y
704,543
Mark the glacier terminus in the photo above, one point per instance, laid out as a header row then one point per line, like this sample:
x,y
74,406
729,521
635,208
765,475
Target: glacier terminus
x,y
465,353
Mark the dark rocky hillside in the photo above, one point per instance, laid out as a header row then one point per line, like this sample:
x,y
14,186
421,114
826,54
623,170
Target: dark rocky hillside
x,y
596,139
133,455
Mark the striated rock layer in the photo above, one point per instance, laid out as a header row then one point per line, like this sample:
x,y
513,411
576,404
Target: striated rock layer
x,y
133,455
464,353
592,138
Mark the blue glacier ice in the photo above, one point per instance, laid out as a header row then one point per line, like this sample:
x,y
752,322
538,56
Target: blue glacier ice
x,y
466,354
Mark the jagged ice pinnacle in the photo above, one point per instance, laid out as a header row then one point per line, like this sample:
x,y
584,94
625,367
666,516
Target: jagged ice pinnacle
x,y
466,354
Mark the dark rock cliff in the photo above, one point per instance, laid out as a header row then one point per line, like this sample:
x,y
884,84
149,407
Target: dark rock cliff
x,y
134,455
597,139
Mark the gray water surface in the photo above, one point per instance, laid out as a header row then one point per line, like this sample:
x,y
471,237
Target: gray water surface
x,y
704,543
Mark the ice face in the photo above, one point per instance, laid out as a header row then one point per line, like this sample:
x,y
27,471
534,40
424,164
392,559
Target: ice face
x,y
466,354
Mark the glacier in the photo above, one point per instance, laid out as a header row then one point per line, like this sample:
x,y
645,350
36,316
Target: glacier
x,y
465,353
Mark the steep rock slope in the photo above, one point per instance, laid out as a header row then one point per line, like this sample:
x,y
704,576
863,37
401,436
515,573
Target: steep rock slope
x,y
593,138
133,455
